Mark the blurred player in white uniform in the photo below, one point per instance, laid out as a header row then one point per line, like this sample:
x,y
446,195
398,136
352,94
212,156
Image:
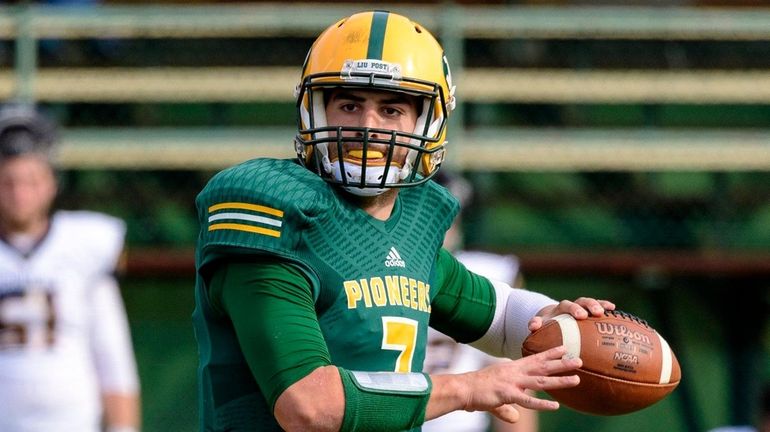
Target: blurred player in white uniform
x,y
444,355
66,360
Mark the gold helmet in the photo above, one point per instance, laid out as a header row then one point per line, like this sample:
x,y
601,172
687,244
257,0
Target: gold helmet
x,y
375,50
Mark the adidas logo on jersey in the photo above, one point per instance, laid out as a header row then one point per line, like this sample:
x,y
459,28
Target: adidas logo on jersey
x,y
394,259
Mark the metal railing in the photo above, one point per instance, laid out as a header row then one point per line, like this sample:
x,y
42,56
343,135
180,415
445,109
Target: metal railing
x,y
565,149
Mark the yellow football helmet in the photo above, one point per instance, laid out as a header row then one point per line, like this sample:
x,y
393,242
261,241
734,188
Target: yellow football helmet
x,y
375,50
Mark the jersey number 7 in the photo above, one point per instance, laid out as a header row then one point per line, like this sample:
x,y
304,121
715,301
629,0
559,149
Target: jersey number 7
x,y
400,334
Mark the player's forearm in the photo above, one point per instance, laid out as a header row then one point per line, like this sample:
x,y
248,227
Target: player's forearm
x,y
314,403
121,411
449,394
332,399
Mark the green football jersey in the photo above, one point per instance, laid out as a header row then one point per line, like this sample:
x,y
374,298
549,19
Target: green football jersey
x,y
372,279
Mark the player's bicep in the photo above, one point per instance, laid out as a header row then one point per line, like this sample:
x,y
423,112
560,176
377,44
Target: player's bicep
x,y
270,304
464,304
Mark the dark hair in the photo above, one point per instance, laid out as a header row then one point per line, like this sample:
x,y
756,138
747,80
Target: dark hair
x,y
24,130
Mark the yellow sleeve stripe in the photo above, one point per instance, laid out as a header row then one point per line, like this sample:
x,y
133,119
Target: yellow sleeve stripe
x,y
244,227
246,206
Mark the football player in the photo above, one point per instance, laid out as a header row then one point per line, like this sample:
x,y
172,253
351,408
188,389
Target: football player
x,y
318,277
66,361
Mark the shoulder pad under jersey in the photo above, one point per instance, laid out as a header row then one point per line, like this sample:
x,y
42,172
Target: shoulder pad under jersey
x,y
439,200
97,238
259,206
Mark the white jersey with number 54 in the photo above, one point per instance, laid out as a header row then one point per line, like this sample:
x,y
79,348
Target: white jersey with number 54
x,y
64,338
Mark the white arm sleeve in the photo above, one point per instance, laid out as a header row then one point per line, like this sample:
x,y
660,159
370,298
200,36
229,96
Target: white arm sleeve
x,y
111,340
509,327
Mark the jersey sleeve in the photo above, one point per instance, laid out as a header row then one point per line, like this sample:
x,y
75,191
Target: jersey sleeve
x,y
465,303
257,208
271,309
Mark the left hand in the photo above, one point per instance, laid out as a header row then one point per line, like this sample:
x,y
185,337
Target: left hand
x,y
581,308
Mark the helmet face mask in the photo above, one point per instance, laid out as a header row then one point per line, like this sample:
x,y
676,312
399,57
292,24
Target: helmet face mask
x,y
409,61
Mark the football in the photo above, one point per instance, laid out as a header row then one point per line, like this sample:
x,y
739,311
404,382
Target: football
x,y
627,365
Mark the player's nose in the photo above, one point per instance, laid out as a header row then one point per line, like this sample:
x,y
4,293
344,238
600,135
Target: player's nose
x,y
370,118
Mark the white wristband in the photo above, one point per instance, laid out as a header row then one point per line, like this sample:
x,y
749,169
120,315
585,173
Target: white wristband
x,y
514,308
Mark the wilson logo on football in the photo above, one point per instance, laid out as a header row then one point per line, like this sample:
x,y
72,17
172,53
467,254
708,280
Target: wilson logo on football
x,y
394,259
621,330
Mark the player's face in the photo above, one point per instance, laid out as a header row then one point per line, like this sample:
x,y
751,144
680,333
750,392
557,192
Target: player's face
x,y
372,109
27,190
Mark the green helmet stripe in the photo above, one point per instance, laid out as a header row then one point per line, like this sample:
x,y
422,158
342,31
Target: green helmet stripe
x,y
377,35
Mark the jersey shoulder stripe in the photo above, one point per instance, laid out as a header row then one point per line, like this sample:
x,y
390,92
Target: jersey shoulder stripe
x,y
239,216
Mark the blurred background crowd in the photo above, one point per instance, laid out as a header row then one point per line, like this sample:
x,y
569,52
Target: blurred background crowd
x,y
619,151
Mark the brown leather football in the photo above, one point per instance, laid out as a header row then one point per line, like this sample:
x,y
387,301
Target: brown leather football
x,y
627,365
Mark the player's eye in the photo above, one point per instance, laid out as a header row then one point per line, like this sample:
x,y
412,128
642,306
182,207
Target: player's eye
x,y
392,111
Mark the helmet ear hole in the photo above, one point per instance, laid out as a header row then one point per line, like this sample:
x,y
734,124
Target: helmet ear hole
x,y
417,29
